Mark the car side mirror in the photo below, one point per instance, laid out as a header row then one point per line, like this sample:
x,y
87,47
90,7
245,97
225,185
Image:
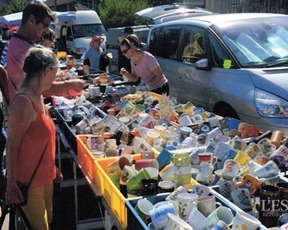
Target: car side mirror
x,y
202,64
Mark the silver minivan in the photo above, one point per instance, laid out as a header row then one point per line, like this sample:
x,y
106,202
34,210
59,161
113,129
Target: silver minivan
x,y
234,65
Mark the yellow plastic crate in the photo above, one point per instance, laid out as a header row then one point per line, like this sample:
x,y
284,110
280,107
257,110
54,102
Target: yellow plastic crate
x,y
85,157
110,192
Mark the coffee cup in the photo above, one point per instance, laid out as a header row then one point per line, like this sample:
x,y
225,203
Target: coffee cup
x,y
226,188
186,202
134,183
166,186
261,160
207,157
207,204
270,169
164,158
251,183
159,215
167,173
270,205
200,190
175,222
204,175
149,186
252,150
243,220
230,169
242,158
277,138
221,213
242,198
197,220
181,159
266,146
143,208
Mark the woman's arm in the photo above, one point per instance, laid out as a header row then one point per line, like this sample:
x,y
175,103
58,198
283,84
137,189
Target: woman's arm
x,y
20,115
129,76
59,88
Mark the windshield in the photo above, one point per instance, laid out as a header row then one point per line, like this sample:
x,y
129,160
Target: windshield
x,y
89,30
257,42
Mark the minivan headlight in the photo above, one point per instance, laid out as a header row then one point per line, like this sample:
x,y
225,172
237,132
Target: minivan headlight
x,y
269,105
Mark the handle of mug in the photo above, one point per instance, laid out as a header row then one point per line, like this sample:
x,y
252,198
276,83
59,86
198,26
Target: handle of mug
x,y
218,204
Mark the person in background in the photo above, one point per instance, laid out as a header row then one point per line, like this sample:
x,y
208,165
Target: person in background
x,y
143,65
36,19
124,62
31,137
48,39
97,57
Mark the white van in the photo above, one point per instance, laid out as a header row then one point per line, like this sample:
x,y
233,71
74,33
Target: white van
x,y
74,30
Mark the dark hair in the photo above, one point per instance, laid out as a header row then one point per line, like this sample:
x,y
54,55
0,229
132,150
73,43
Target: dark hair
x,y
128,30
39,10
124,42
49,36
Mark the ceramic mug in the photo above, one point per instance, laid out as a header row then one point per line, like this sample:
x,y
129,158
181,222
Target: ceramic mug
x,y
226,188
230,169
200,190
186,203
204,175
207,157
243,220
143,208
221,213
197,220
270,205
207,204
270,169
242,198
159,215
176,223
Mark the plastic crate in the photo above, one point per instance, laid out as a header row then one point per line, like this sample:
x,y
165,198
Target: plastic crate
x,y
134,221
110,192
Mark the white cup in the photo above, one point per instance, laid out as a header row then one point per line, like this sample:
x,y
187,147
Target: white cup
x,y
186,203
176,223
207,204
242,198
185,120
270,169
143,208
200,190
221,213
243,220
197,220
94,91
205,173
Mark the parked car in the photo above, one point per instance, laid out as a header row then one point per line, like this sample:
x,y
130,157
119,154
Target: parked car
x,y
234,65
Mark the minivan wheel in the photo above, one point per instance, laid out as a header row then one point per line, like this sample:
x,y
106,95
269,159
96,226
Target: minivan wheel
x,y
225,110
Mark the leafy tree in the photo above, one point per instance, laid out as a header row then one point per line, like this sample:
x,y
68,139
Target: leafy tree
x,y
13,6
115,13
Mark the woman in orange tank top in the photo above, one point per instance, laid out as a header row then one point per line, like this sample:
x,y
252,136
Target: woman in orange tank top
x,y
31,139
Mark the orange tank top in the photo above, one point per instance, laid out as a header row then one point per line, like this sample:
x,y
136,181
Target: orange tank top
x,y
39,137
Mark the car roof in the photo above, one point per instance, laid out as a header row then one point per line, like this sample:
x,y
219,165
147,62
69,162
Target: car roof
x,y
219,19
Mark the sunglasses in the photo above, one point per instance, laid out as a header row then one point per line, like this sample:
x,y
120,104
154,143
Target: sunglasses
x,y
45,26
125,51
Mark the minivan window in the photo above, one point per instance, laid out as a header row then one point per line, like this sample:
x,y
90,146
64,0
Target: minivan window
x,y
89,30
256,43
164,42
219,54
192,45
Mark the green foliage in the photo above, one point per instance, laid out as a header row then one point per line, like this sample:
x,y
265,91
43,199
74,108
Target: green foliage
x,y
115,13
13,6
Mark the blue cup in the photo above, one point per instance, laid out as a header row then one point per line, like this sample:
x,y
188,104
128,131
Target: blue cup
x,y
164,158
